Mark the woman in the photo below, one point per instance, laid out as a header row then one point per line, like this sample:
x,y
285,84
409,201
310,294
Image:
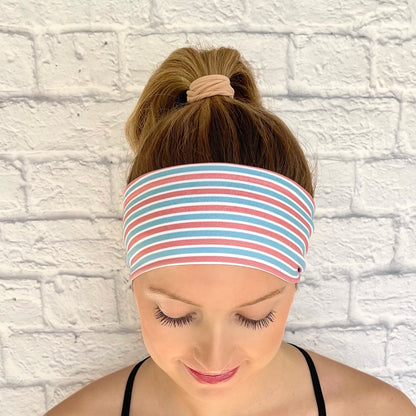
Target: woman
x,y
217,217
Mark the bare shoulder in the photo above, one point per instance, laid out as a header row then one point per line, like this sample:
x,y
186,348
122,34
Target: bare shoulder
x,y
101,397
349,391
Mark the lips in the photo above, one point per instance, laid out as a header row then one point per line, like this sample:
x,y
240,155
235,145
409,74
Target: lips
x,y
212,378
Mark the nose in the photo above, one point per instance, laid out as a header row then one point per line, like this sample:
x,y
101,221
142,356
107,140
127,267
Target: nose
x,y
215,349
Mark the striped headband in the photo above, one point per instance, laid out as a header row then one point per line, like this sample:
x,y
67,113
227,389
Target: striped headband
x,y
217,213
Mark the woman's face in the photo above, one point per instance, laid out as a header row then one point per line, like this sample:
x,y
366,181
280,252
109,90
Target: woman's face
x,y
215,336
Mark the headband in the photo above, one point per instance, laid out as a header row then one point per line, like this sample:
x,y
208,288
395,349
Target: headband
x,y
217,213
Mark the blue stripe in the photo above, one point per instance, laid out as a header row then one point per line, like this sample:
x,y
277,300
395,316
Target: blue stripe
x,y
219,233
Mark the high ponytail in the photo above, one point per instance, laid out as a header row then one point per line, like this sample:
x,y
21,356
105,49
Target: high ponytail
x,y
165,130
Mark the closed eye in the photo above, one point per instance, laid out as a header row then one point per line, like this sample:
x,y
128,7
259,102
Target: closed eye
x,y
187,319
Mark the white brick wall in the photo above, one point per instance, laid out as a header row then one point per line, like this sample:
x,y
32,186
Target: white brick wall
x,y
340,74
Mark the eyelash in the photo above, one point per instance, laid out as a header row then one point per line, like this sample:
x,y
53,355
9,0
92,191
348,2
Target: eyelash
x,y
187,319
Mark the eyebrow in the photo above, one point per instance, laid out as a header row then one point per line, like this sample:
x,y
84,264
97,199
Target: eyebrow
x,y
173,296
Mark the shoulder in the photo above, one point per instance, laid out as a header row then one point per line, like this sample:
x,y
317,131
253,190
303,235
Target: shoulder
x,y
349,391
101,397
391,401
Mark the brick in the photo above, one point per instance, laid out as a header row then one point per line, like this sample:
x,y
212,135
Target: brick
x,y
71,244
362,242
178,14
395,64
330,64
336,127
405,251
121,12
77,302
74,61
408,127
320,302
34,12
335,185
2,375
127,306
155,48
20,400
374,178
401,351
51,357
63,125
329,12
11,187
65,185
16,63
56,231
386,298
119,173
21,304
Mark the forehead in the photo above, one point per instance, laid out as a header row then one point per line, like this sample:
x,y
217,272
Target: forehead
x,y
197,278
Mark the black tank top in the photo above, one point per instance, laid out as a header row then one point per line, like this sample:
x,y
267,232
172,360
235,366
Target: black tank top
x,y
314,375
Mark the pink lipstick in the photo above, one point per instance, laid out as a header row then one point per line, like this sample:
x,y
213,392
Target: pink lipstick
x,y
210,379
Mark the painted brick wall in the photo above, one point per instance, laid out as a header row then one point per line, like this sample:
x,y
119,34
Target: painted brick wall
x,y
342,75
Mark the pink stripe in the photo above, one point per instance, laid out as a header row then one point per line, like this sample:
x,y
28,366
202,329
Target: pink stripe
x,y
215,241
211,175
216,259
248,194
230,224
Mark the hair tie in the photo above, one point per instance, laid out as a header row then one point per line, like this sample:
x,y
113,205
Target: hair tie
x,y
209,85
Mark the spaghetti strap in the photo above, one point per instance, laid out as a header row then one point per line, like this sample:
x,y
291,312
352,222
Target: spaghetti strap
x,y
129,387
315,380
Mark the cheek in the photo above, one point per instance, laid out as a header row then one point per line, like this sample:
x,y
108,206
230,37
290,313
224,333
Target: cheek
x,y
158,341
265,348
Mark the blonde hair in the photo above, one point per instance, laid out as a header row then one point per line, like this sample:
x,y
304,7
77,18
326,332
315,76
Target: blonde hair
x,y
165,130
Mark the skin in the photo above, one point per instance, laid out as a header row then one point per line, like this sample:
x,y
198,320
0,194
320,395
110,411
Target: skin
x,y
215,341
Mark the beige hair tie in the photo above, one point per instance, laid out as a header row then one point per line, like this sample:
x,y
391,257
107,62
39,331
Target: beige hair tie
x,y
209,85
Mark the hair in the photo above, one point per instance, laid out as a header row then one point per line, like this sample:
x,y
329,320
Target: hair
x,y
165,130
